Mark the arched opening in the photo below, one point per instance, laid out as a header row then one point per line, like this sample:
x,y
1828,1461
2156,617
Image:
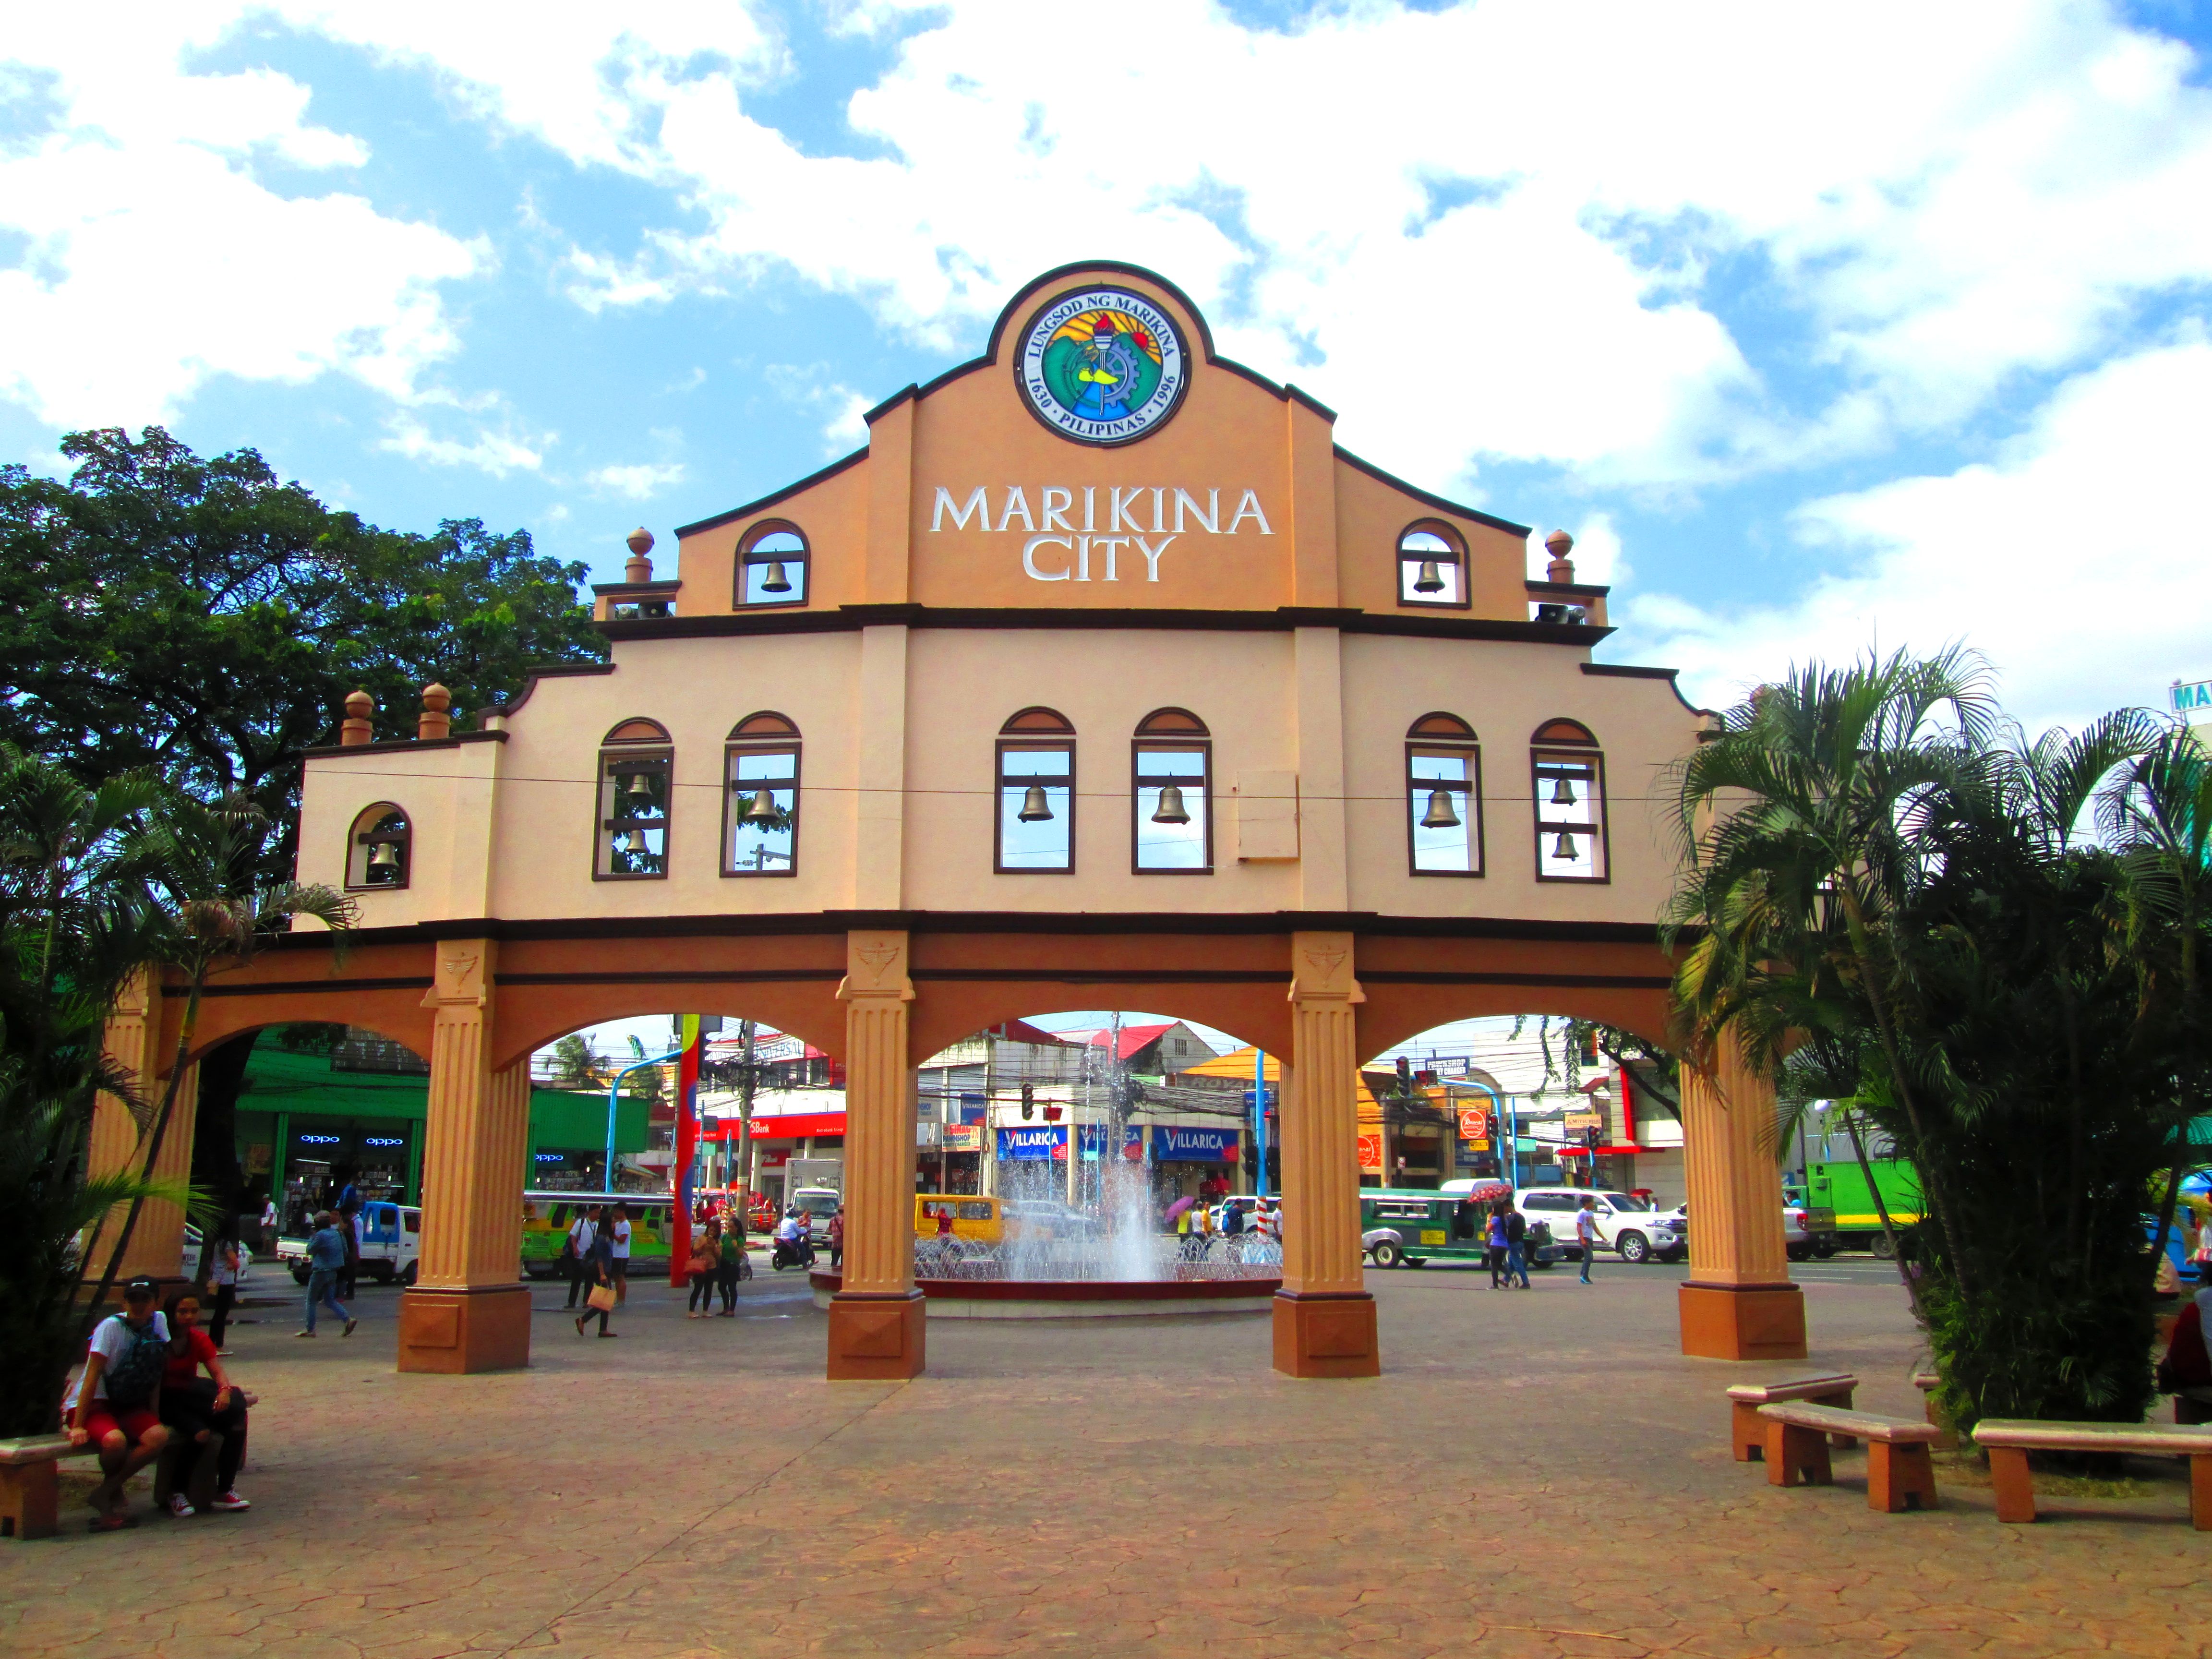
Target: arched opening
x,y
379,851
1432,566
637,779
773,565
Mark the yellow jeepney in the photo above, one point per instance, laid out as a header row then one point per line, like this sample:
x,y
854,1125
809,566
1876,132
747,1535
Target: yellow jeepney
x,y
974,1216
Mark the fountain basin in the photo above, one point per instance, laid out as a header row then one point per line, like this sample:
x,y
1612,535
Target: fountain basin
x,y
1077,1298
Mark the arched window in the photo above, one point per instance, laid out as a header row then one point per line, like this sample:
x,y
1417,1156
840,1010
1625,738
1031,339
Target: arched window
x,y
1443,797
636,768
1432,566
1037,795
760,801
1172,823
1567,774
378,852
772,565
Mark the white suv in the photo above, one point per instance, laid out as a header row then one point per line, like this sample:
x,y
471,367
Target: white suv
x,y
1626,1224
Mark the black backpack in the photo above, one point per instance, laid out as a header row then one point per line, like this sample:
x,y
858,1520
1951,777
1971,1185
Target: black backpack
x,y
1516,1226
133,1375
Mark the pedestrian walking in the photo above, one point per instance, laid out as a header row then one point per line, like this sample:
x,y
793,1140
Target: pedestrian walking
x,y
582,1229
1494,1245
1516,1249
1586,1233
703,1267
223,1276
326,1259
618,1234
837,1238
267,1225
733,1264
349,1208
604,1293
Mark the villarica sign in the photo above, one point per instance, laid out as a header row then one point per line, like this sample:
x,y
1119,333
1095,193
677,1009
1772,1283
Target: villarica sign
x,y
1102,366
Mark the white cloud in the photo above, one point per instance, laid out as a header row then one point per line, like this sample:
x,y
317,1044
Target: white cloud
x,y
1944,197
2078,561
158,259
496,452
638,483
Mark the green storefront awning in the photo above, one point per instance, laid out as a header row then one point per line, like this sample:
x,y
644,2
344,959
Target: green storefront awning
x,y
304,1085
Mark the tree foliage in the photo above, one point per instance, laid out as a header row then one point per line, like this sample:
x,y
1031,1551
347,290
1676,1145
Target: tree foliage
x,y
1890,897
164,611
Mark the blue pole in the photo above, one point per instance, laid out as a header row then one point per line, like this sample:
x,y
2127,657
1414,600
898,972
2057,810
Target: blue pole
x,y
614,1098
1260,1119
1498,1116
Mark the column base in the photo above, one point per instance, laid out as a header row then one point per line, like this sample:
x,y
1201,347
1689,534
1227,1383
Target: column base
x,y
481,1329
1742,1322
1326,1333
878,1337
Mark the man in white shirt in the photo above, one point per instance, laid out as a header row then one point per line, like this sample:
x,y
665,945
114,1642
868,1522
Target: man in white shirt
x,y
1586,1232
582,1232
619,1232
117,1402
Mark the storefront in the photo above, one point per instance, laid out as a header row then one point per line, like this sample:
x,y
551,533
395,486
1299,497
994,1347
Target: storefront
x,y
1185,1158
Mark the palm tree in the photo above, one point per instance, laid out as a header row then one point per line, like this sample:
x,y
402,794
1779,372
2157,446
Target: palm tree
x,y
208,913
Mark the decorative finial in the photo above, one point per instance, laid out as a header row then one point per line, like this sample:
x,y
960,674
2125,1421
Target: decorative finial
x,y
355,729
639,567
436,719
1562,568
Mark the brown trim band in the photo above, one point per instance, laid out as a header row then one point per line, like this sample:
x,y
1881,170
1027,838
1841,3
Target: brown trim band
x,y
1103,976
675,977
1559,981
1701,1284
395,745
398,982
848,618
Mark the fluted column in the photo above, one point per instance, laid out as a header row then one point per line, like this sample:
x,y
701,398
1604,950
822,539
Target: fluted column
x,y
1738,1303
1324,1316
467,1312
876,1317
134,1046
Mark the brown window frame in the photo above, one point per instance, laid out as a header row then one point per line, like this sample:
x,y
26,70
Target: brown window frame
x,y
1041,742
1471,749
1202,741
632,755
1584,750
1453,539
731,750
753,537
403,837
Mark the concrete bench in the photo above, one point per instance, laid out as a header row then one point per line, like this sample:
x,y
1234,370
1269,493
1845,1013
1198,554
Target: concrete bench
x,y
1928,1383
1898,1472
2008,1440
29,1505
1747,1435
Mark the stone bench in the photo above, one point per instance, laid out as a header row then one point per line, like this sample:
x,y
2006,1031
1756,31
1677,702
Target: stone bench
x,y
2008,1440
29,1502
1747,1435
1898,1472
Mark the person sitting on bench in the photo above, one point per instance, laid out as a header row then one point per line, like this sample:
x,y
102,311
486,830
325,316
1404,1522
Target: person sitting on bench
x,y
198,1409
117,1403
2187,1363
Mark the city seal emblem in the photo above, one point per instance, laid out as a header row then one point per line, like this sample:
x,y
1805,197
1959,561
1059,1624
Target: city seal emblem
x,y
1102,366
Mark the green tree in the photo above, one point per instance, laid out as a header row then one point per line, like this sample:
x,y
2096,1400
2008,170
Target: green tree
x,y
1887,885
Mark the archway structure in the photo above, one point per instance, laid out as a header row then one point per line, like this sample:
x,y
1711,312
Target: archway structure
x,y
1109,679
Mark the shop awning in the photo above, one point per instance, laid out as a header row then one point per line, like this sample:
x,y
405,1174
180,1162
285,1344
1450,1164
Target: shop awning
x,y
787,1125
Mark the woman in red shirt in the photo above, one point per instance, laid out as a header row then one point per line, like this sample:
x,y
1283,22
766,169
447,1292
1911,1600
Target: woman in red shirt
x,y
197,1407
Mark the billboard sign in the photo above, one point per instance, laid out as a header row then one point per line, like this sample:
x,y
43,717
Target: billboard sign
x,y
2190,698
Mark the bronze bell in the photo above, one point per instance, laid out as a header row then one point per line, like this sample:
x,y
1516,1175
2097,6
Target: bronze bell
x,y
1565,847
1563,792
1431,579
634,843
383,862
1170,808
761,809
1036,809
639,790
776,581
1440,815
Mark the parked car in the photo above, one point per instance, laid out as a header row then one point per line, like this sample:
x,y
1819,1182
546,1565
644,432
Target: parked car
x,y
189,1267
1806,1230
1261,1215
1626,1225
1044,1217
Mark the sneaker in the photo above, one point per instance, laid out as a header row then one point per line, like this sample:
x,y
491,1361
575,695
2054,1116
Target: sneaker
x,y
230,1502
181,1506
348,1331
303,1332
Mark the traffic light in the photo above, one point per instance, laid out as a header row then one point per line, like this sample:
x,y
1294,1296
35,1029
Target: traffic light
x,y
1028,1102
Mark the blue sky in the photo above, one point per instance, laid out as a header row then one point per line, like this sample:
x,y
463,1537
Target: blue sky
x,y
1817,326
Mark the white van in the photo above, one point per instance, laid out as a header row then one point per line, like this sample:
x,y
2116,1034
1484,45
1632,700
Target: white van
x,y
817,1204
1626,1224
390,1236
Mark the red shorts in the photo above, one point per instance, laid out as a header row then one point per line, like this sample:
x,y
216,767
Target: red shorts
x,y
103,1420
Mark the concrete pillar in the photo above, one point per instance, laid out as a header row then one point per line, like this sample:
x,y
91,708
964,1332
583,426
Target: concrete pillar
x,y
467,1311
134,1046
1324,1316
1738,1303
876,1317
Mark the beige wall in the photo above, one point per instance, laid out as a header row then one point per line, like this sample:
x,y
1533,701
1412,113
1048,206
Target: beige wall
x,y
898,723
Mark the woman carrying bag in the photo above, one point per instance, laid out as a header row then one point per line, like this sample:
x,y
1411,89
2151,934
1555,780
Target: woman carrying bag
x,y
705,1265
602,1300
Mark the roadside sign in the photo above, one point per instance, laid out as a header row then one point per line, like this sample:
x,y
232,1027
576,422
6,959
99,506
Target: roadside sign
x,y
1474,1123
1584,1120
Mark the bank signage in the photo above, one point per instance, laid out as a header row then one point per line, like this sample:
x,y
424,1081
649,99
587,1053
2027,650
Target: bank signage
x,y
1102,366
1025,1144
1172,1144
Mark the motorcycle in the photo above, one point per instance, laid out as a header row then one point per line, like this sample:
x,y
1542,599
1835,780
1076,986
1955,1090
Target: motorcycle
x,y
788,1254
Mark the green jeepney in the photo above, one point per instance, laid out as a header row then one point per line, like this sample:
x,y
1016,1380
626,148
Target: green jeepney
x,y
1402,1225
